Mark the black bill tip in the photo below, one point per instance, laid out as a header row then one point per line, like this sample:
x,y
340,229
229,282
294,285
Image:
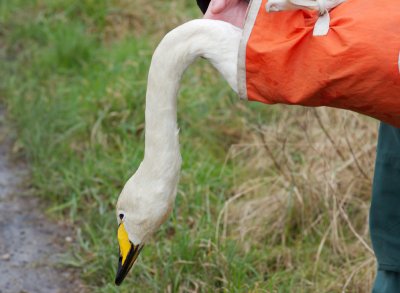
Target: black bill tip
x,y
124,268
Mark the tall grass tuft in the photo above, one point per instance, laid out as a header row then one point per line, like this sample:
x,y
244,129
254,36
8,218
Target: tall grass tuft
x,y
311,174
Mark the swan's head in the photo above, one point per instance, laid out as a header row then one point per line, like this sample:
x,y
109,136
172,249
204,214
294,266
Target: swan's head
x,y
143,205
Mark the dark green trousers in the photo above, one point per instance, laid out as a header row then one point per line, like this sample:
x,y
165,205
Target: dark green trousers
x,y
385,210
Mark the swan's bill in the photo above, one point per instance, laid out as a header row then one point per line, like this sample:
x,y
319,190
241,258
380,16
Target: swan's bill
x,y
128,253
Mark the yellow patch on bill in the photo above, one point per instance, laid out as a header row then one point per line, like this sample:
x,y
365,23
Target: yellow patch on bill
x,y
124,243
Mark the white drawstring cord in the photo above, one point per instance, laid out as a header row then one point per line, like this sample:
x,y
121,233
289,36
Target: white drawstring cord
x,y
322,6
399,62
321,27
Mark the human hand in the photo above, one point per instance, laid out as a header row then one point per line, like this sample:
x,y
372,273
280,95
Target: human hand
x,y
232,11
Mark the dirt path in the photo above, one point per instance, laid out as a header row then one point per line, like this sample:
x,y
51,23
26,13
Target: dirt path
x,y
30,243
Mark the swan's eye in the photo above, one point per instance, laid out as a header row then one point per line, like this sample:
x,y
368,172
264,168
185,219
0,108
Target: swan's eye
x,y
121,216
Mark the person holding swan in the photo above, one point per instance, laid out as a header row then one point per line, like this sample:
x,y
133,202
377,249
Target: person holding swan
x,y
147,198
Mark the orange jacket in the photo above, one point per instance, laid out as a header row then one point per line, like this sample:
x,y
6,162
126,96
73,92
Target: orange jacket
x,y
355,66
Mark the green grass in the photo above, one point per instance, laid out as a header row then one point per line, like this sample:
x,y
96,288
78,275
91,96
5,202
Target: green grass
x,y
73,80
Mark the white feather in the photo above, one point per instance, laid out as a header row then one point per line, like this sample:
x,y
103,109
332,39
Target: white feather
x,y
148,197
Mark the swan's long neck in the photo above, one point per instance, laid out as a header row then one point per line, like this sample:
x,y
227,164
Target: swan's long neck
x,y
214,40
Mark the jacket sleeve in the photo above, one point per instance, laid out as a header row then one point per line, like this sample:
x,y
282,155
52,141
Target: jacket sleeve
x,y
203,4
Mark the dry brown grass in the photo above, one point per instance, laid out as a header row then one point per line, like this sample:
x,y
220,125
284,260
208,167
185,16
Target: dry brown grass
x,y
308,178
143,18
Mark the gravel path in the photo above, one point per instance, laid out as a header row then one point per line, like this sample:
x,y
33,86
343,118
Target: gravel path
x,y
30,243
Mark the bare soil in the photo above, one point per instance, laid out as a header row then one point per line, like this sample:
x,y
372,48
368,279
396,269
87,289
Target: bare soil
x,y
31,243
